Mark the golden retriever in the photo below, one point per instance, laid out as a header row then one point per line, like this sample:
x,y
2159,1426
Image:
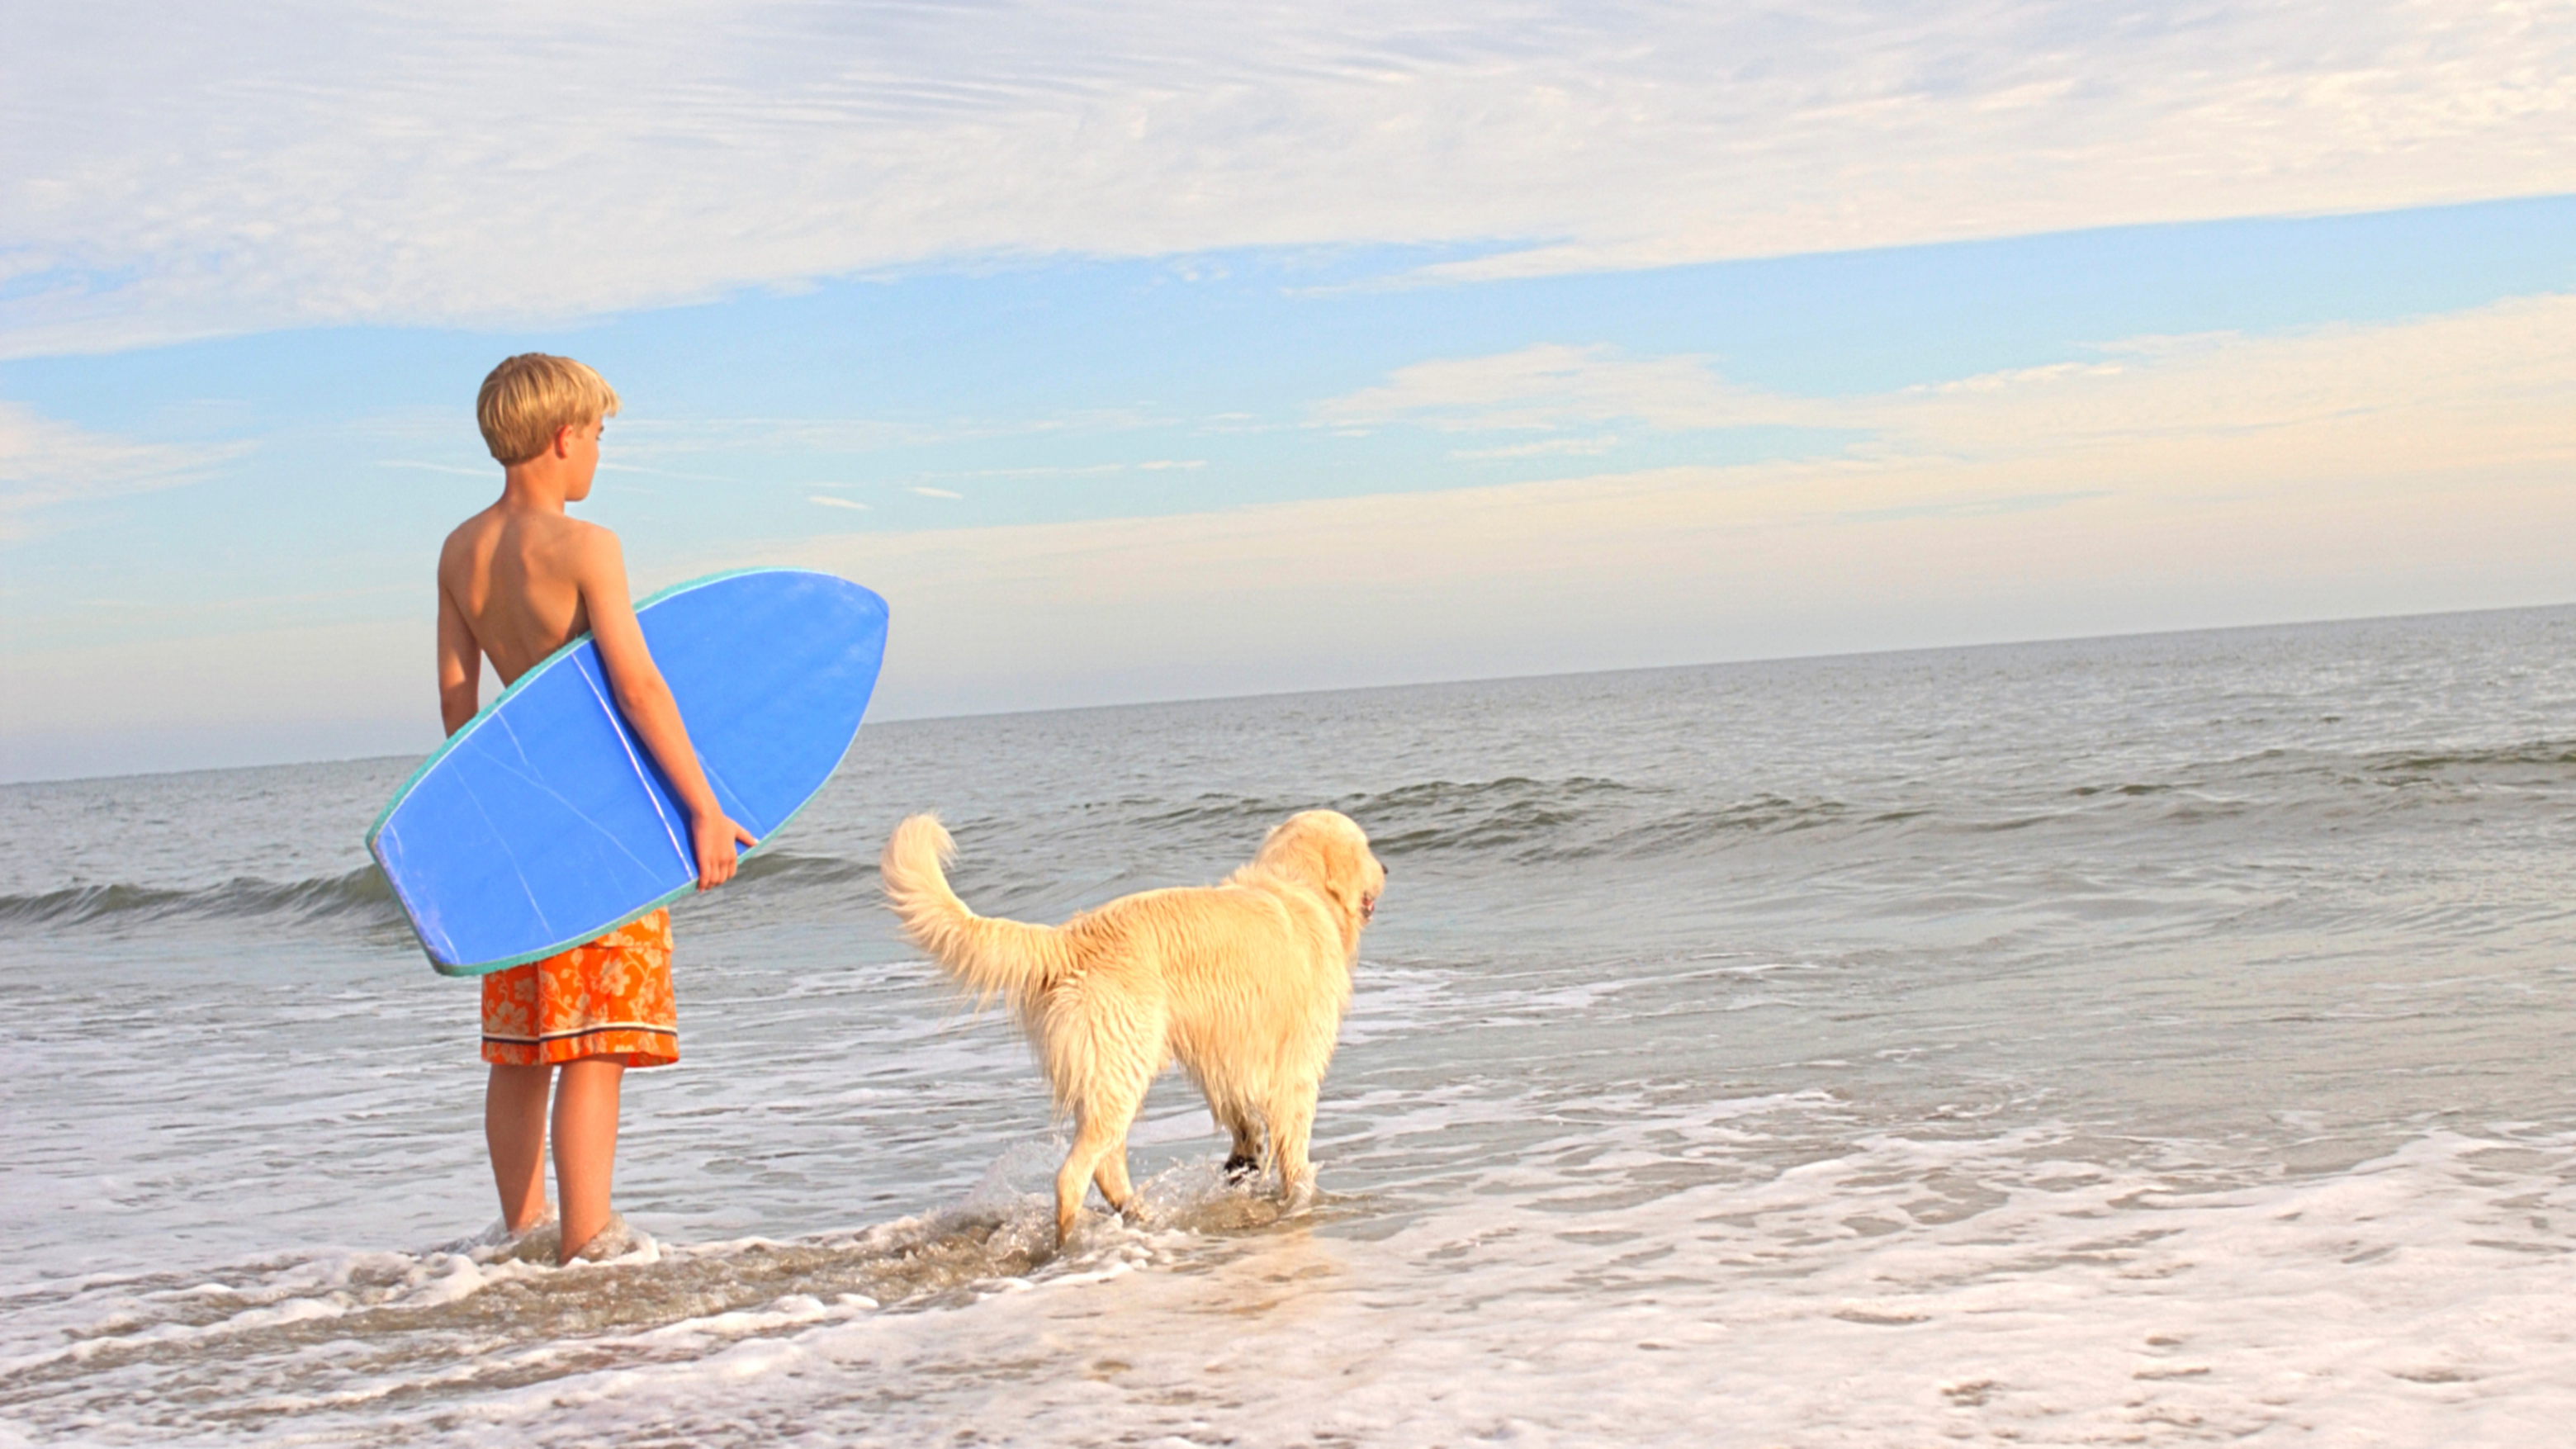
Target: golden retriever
x,y
1243,983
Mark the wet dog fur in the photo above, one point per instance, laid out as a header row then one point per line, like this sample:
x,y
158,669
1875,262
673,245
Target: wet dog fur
x,y
1243,983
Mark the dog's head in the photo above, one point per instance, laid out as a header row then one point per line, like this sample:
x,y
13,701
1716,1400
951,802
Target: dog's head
x,y
1327,850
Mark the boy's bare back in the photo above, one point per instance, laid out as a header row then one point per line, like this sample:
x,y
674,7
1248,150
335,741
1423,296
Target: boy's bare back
x,y
519,581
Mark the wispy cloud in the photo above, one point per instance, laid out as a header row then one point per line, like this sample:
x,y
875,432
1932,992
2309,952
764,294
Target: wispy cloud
x,y
304,164
1544,448
929,492
2337,471
1971,507
2136,392
47,466
418,466
608,467
1048,471
665,441
1553,386
1071,470
829,501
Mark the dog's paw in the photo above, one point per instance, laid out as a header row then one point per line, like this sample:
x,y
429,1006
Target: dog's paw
x,y
1240,1169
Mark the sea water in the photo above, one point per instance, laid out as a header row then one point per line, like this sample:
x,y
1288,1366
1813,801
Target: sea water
x,y
2163,1040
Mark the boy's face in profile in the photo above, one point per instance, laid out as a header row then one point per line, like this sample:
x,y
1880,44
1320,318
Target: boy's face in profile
x,y
581,458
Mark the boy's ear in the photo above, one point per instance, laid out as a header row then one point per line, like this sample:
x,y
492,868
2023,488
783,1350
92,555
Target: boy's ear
x,y
563,440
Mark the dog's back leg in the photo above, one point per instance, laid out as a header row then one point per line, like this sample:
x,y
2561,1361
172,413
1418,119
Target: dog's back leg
x,y
1093,1140
1111,1175
1099,1150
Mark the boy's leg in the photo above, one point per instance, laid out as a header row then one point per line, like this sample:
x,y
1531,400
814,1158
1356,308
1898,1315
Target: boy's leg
x,y
586,1146
514,1128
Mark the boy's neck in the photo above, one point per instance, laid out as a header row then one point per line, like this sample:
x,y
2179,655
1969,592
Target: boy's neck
x,y
558,475
524,486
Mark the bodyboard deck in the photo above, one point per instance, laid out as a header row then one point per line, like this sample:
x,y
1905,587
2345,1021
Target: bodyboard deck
x,y
544,822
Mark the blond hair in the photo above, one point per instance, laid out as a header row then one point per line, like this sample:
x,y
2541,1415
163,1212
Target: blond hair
x,y
529,396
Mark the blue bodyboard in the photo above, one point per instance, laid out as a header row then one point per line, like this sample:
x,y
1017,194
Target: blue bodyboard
x,y
544,823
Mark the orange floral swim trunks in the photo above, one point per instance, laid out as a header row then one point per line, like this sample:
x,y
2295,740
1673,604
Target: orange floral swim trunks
x,y
606,998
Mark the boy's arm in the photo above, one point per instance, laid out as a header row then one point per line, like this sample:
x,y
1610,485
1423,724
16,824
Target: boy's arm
x,y
650,711
460,665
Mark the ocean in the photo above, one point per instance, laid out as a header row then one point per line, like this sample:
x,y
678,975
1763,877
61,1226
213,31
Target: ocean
x,y
2155,1040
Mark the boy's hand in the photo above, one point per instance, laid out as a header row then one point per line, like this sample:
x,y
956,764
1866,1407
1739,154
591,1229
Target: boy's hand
x,y
714,838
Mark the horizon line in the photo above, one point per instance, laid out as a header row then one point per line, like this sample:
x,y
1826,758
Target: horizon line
x,y
1285,694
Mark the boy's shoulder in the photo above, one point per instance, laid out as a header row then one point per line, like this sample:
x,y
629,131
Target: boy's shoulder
x,y
547,539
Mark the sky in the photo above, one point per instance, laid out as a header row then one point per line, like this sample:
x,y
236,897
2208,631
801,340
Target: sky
x,y
1146,352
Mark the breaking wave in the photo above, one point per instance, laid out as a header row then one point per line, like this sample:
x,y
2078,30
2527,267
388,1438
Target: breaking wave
x,y
360,895
1516,819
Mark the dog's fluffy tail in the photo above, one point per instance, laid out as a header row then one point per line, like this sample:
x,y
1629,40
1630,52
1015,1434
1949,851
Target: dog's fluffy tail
x,y
1009,959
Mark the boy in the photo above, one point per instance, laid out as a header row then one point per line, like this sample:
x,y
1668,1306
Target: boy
x,y
515,582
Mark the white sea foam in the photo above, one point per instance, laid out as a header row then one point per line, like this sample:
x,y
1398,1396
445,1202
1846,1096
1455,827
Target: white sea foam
x,y
2422,1297
2015,1288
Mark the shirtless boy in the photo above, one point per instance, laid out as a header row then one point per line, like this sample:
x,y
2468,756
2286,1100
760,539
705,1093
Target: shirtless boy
x,y
515,582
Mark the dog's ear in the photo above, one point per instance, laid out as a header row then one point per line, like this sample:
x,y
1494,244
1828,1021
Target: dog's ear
x,y
1328,855
1306,848
1341,873
1292,849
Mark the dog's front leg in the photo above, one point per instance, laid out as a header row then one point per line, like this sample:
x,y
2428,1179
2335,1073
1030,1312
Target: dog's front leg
x,y
1291,1120
1243,1160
